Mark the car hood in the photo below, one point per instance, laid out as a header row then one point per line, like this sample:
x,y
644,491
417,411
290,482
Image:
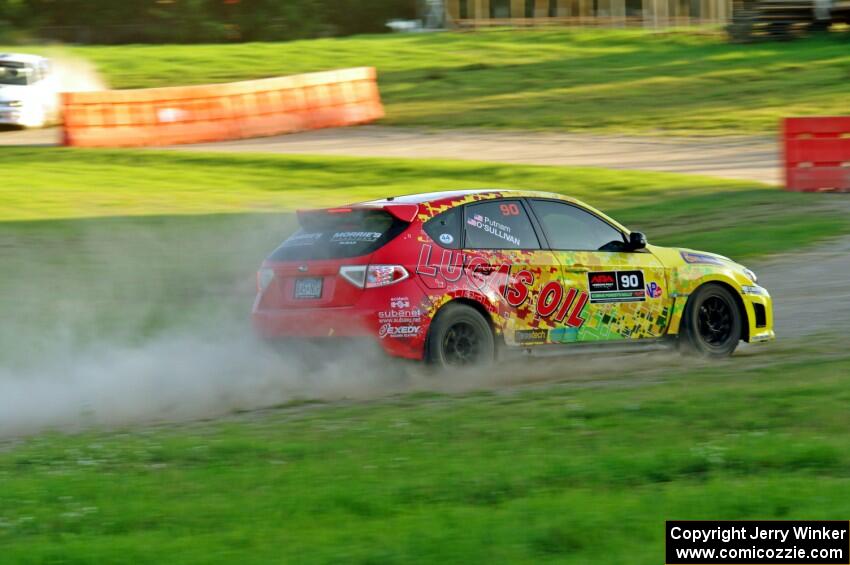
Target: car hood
x,y
13,92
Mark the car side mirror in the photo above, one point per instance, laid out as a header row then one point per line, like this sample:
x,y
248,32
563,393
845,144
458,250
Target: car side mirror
x,y
637,240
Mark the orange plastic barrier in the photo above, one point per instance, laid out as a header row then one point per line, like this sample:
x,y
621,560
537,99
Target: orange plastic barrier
x,y
195,114
817,154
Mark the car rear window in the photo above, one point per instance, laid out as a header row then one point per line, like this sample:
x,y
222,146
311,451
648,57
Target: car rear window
x,y
343,235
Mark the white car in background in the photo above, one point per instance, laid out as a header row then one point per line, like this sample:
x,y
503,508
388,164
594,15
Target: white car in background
x,y
29,91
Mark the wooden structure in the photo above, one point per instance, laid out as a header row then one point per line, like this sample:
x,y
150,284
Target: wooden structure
x,y
650,13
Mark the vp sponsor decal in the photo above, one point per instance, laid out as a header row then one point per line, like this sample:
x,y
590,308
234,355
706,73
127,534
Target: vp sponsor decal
x,y
616,286
653,290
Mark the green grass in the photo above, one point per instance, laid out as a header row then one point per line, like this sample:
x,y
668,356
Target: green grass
x,y
562,473
51,184
576,80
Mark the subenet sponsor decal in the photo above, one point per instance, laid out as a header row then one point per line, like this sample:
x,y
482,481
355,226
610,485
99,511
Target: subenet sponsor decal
x,y
616,286
400,320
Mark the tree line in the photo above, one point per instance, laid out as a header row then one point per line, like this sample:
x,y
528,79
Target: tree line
x,y
194,21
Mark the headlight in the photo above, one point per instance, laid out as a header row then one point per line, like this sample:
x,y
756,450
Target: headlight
x,y
756,290
751,275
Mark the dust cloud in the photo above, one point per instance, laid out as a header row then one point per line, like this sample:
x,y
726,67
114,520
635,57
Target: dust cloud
x,y
120,321
75,74
116,321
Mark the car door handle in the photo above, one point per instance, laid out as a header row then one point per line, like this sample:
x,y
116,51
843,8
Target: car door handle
x,y
577,269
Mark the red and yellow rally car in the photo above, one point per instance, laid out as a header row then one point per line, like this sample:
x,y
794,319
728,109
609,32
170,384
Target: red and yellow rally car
x,y
448,277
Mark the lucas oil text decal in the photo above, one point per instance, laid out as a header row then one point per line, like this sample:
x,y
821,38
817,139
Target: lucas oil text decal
x,y
616,286
554,301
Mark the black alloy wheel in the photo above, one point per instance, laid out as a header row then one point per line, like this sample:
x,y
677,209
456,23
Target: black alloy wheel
x,y
713,323
460,337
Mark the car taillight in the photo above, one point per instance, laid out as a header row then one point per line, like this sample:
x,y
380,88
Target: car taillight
x,y
373,276
264,278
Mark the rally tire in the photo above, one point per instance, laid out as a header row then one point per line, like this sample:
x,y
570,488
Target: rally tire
x,y
712,325
460,337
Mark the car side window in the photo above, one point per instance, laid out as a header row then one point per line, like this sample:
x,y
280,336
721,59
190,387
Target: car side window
x,y
498,224
568,227
445,228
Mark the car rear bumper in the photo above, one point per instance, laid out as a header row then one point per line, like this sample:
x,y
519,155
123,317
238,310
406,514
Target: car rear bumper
x,y
399,330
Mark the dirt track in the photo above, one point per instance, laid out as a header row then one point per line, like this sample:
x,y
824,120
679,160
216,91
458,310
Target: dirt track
x,y
746,158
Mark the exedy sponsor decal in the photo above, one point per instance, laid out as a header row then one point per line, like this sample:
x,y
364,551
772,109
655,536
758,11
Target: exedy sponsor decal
x,y
531,337
616,286
389,330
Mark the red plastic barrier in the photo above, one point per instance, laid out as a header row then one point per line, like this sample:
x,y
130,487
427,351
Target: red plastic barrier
x,y
195,114
817,154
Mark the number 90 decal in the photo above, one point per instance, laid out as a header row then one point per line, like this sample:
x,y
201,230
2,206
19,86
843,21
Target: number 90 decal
x,y
511,209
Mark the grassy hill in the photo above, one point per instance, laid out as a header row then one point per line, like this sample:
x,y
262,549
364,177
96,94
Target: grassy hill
x,y
625,81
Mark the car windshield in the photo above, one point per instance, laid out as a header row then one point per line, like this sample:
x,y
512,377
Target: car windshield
x,y
17,74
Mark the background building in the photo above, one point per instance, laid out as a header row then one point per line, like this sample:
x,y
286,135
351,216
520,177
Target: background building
x,y
474,13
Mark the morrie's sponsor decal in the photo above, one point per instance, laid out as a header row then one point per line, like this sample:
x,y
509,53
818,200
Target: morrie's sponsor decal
x,y
616,286
352,237
303,239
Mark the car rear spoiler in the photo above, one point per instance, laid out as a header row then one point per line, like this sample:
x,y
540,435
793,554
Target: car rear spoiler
x,y
402,211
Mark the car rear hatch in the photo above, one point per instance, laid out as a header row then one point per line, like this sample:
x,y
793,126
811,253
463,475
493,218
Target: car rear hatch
x,y
305,271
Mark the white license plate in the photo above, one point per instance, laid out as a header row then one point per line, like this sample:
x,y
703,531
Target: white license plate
x,y
308,288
